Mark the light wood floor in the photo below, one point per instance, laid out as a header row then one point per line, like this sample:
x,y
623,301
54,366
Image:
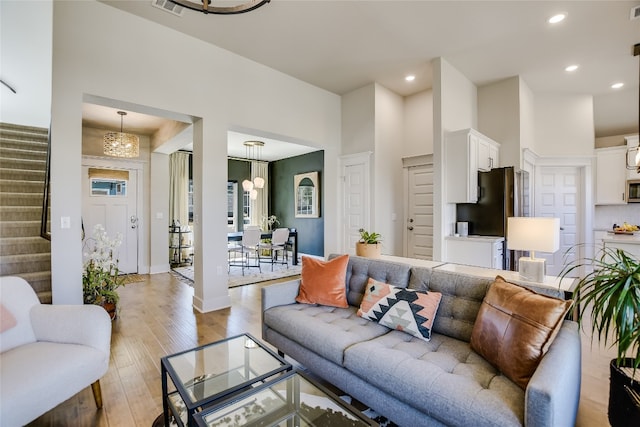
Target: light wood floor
x,y
157,319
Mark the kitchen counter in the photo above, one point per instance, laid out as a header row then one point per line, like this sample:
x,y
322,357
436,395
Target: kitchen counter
x,y
633,239
477,238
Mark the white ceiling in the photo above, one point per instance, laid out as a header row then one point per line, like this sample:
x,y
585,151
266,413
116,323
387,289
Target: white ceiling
x,y
343,45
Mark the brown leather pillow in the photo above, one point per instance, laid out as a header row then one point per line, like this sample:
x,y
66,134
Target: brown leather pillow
x,y
324,282
515,327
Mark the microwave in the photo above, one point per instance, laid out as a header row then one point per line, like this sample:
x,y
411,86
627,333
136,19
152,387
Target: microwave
x,y
633,191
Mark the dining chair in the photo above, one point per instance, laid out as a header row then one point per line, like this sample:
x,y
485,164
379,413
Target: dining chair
x,y
278,243
251,245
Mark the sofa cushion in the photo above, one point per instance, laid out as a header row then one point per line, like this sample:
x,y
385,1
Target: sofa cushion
x,y
403,309
327,331
462,296
515,327
323,282
360,269
443,378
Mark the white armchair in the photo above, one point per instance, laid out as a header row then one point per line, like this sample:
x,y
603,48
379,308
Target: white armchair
x,y
48,353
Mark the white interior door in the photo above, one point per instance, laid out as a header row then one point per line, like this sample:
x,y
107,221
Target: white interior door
x,y
115,207
355,200
419,240
558,195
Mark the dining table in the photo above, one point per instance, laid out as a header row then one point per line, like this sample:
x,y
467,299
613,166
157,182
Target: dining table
x,y
236,236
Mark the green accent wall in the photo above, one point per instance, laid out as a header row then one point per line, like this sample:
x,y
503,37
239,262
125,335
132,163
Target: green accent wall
x,y
281,173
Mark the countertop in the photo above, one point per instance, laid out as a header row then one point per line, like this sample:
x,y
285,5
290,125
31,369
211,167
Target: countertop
x,y
633,239
477,238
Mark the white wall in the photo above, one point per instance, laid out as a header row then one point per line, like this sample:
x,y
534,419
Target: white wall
x,y
358,120
563,125
527,117
387,181
499,117
239,92
455,101
158,211
418,124
28,71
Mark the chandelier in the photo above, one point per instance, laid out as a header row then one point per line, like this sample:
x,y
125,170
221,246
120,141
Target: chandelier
x,y
205,7
120,144
253,150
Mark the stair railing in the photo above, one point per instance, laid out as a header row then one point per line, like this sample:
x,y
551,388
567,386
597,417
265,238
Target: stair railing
x,y
45,225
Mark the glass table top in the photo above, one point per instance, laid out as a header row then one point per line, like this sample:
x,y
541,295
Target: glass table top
x,y
293,399
222,367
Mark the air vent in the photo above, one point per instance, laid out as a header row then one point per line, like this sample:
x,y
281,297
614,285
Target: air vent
x,y
168,6
635,13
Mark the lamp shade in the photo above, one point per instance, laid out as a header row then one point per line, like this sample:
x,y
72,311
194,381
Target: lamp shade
x,y
247,185
533,234
258,182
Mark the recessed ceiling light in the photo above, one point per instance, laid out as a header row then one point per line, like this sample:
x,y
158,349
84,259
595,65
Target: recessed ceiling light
x,y
557,18
617,85
571,68
410,78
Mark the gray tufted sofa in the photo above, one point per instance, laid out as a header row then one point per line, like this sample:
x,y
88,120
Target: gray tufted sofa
x,y
418,383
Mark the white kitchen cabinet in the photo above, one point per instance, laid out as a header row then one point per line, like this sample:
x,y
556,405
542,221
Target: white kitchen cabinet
x,y
466,152
488,154
479,251
611,176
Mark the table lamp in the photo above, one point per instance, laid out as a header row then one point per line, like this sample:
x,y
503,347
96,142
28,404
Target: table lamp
x,y
533,234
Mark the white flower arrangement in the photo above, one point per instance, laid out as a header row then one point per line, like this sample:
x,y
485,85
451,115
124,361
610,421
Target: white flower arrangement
x,y
100,271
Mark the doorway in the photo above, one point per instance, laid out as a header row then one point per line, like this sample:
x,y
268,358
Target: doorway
x,y
418,235
559,194
110,198
354,200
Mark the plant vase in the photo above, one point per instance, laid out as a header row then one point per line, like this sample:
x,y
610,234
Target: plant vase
x,y
368,250
624,394
111,309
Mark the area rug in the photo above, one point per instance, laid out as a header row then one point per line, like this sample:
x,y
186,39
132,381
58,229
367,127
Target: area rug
x,y
134,278
251,276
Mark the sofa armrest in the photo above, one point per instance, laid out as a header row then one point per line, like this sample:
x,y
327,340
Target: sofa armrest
x,y
284,293
88,325
553,393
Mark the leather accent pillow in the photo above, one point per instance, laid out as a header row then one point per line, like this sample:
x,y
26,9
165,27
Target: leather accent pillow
x,y
7,320
515,327
403,309
324,282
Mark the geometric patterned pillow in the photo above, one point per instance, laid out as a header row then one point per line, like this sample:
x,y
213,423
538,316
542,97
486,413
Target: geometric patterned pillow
x,y
403,309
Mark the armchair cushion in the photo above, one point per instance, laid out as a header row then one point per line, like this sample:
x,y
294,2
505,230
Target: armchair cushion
x,y
18,297
7,320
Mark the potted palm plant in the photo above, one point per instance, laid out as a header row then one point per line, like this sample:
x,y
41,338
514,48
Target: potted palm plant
x,y
100,274
609,296
369,244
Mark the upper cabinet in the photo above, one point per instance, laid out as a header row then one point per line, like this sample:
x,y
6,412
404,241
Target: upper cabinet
x,y
467,151
611,175
632,142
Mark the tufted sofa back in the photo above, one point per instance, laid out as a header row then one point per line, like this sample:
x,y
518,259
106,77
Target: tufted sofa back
x,y
360,269
462,297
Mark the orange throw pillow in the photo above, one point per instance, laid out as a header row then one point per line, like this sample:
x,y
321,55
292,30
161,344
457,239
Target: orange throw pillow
x,y
324,282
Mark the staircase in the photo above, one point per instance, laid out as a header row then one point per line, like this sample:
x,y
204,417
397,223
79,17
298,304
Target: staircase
x,y
23,155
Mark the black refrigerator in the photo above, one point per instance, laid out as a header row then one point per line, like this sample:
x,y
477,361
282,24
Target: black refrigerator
x,y
501,194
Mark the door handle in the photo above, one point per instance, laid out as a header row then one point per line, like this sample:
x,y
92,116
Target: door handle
x,y
134,221
410,228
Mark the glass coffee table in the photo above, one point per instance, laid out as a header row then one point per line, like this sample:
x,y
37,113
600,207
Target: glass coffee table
x,y
290,400
195,379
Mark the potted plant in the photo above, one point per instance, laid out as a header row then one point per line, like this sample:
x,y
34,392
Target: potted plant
x,y
369,244
100,271
609,295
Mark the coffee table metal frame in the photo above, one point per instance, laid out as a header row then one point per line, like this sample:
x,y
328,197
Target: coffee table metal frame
x,y
194,406
286,413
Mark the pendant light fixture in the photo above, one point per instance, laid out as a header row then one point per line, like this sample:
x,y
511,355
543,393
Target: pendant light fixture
x,y
253,149
120,144
234,8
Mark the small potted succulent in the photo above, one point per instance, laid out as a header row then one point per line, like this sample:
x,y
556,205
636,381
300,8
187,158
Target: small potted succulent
x,y
369,245
609,295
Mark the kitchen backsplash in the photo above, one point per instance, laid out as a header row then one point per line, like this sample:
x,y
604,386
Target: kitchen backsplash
x,y
606,216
